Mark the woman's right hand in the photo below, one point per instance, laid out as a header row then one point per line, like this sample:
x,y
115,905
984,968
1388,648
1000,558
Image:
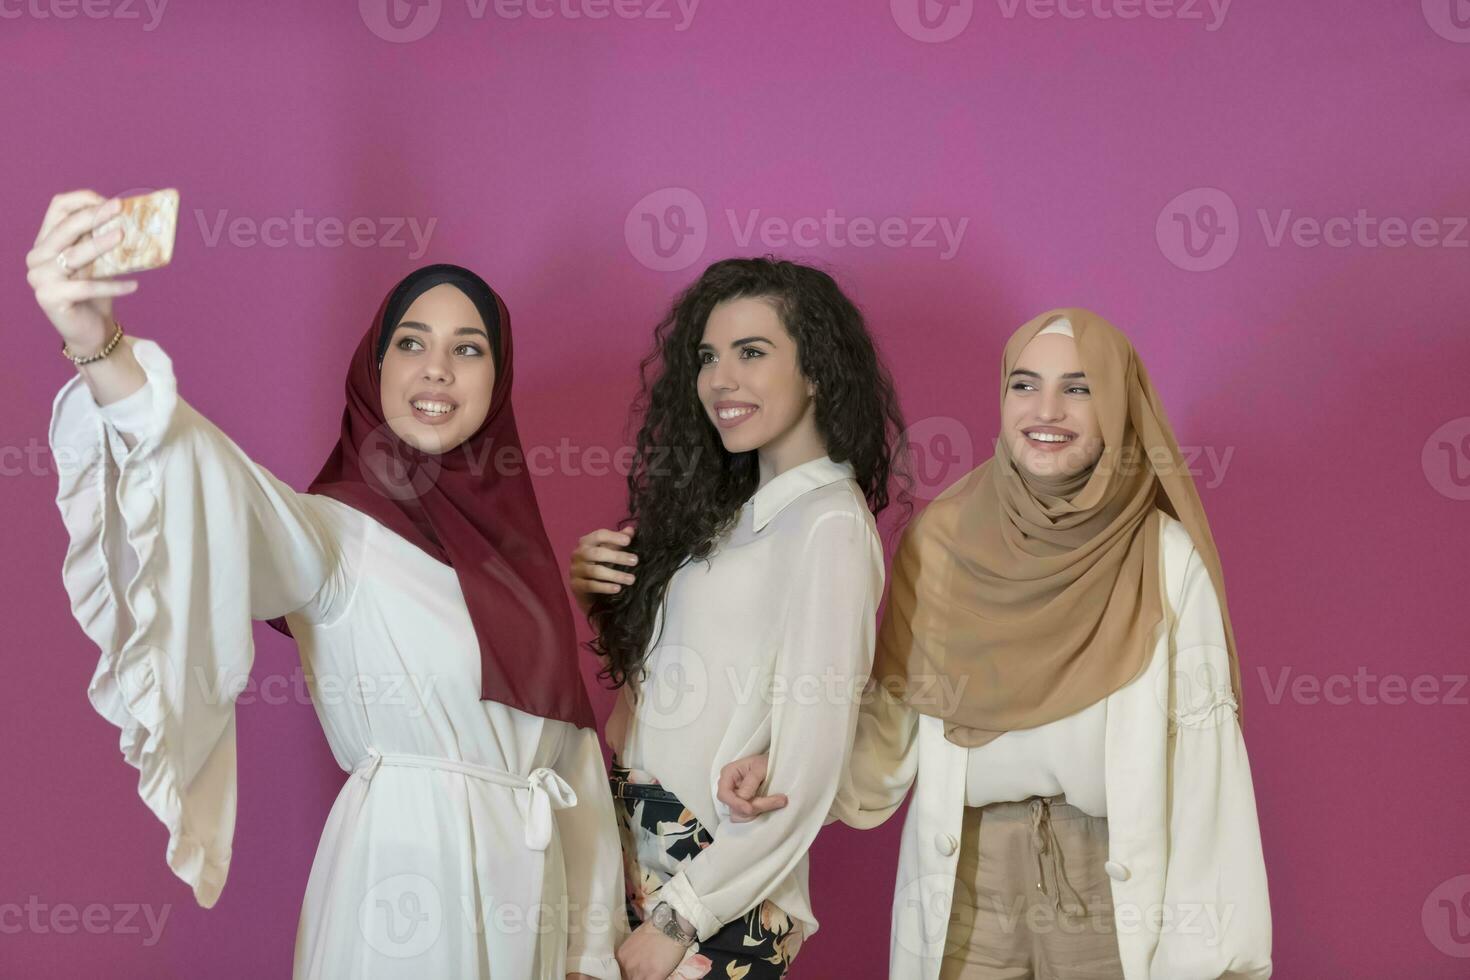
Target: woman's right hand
x,y
80,308
587,573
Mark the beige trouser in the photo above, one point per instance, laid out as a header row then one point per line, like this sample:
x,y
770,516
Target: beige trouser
x,y
1031,899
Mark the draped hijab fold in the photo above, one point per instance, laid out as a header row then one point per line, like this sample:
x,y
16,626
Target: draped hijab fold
x,y
472,507
1033,597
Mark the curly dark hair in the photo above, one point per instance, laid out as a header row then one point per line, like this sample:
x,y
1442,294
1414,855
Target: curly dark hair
x,y
684,502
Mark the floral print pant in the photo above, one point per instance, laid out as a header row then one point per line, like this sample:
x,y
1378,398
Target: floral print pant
x,y
659,835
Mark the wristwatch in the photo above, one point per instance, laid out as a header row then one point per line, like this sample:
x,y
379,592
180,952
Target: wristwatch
x,y
666,922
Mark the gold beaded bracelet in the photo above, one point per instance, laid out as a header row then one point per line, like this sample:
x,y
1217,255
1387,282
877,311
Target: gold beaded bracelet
x,y
79,361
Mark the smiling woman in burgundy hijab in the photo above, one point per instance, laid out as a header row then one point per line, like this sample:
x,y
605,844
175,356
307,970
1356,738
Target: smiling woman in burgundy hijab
x,y
434,633
471,506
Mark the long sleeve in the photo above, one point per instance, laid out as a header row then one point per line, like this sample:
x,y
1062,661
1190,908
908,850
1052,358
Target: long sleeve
x,y
824,657
885,752
885,759
1215,883
174,547
596,921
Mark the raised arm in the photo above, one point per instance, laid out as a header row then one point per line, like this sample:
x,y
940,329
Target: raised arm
x,y
79,307
177,540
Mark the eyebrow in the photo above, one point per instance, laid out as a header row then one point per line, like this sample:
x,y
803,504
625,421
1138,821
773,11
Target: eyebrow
x,y
415,325
1069,376
740,343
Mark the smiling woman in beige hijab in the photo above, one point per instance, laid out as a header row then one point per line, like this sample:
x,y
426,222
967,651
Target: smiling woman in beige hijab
x,y
1044,590
1059,687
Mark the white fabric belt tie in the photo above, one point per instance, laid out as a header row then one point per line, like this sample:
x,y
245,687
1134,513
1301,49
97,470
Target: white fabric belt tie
x,y
537,794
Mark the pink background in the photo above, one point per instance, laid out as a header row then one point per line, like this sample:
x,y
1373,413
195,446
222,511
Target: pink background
x,y
1327,371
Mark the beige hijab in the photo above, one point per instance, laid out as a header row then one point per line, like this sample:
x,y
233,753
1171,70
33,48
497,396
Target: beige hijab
x,y
1024,599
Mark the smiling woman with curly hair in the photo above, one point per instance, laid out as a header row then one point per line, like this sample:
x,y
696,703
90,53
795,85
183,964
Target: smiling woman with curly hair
x,y
770,432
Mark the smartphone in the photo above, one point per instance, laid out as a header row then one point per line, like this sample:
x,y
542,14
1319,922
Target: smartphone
x,y
148,222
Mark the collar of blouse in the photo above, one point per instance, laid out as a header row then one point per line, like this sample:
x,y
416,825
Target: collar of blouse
x,y
772,498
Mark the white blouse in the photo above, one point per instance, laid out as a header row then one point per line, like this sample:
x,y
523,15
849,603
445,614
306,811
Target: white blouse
x,y
763,648
472,840
1063,756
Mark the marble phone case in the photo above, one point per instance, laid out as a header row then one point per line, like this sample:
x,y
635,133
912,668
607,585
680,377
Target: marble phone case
x,y
148,222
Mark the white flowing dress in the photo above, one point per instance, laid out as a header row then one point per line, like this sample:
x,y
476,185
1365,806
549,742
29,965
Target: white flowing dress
x,y
472,840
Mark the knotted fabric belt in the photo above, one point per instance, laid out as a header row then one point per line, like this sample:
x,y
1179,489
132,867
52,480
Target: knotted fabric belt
x,y
536,794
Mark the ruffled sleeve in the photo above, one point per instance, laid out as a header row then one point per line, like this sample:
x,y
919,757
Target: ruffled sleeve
x,y
174,547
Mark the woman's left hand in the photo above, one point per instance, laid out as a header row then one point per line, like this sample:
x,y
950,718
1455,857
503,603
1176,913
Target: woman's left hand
x,y
649,955
739,789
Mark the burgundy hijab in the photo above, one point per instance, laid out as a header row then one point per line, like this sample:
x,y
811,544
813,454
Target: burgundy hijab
x,y
472,508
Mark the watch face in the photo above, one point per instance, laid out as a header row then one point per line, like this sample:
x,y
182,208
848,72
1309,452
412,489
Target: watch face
x,y
663,919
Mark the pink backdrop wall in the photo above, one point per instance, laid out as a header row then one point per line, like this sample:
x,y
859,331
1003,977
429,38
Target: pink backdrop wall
x,y
1166,169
